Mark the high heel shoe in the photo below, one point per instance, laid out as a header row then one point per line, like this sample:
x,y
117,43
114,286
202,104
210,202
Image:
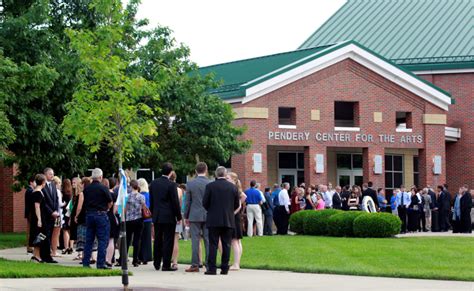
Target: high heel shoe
x,y
69,251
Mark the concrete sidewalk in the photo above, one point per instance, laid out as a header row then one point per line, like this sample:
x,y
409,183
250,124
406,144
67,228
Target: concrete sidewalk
x,y
147,277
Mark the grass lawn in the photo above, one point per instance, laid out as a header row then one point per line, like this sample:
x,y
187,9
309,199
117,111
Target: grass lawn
x,y
18,269
12,240
25,269
443,258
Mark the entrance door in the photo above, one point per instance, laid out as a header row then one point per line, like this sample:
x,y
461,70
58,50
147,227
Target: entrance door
x,y
350,177
288,176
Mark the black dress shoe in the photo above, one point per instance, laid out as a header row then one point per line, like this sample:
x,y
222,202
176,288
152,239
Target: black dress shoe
x,y
169,269
50,261
157,267
224,272
210,273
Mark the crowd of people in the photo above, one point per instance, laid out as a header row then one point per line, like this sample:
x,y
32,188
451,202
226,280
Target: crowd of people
x,y
214,215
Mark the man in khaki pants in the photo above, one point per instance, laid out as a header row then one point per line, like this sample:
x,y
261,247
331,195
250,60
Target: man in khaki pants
x,y
254,211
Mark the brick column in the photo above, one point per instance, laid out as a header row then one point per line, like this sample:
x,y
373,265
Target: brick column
x,y
368,155
310,175
435,145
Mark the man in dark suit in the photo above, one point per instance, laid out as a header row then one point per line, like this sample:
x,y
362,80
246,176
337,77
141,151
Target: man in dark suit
x,y
28,210
444,206
368,191
164,205
345,195
51,205
337,199
221,199
465,225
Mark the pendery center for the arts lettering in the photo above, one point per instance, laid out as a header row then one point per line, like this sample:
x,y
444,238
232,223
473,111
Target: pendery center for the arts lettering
x,y
344,137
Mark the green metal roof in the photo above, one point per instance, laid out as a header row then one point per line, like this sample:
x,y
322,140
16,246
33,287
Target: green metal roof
x,y
408,32
234,74
237,76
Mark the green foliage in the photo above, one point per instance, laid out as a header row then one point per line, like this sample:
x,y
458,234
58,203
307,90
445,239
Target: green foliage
x,y
91,55
33,38
109,106
316,223
377,225
297,221
341,224
193,124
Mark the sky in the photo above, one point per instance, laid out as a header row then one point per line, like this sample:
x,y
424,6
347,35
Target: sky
x,y
228,30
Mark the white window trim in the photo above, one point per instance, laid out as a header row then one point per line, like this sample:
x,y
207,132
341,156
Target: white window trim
x,y
404,130
340,128
284,126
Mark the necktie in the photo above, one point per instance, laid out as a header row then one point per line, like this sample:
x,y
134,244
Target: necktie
x,y
403,194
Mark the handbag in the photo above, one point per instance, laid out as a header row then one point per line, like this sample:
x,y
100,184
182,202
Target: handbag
x,y
39,238
146,213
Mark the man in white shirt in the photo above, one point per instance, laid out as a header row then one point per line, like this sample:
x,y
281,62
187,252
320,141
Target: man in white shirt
x,y
403,201
283,209
327,196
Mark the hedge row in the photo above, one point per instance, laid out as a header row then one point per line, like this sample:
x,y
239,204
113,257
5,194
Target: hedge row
x,y
345,223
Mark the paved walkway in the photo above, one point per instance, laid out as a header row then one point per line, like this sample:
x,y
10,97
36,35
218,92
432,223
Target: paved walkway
x,y
146,278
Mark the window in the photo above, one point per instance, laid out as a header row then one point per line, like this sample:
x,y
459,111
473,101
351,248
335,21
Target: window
x,y
346,114
416,172
287,117
349,161
288,160
393,171
403,121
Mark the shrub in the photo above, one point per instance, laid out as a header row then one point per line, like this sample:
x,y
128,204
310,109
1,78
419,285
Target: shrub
x,y
297,221
377,225
316,223
341,224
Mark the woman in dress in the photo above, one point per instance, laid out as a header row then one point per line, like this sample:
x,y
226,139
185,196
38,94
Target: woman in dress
x,y
413,212
309,202
67,196
353,202
37,217
134,220
76,184
145,254
179,227
113,222
320,204
80,220
237,233
58,223
294,201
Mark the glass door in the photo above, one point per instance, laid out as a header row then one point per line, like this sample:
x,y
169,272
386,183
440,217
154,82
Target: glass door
x,y
288,176
350,177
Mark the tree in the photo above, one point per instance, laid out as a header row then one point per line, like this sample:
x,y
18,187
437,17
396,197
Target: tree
x,y
7,134
109,106
32,36
194,125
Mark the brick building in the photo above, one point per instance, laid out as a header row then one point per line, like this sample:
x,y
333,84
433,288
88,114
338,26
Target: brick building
x,y
381,92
